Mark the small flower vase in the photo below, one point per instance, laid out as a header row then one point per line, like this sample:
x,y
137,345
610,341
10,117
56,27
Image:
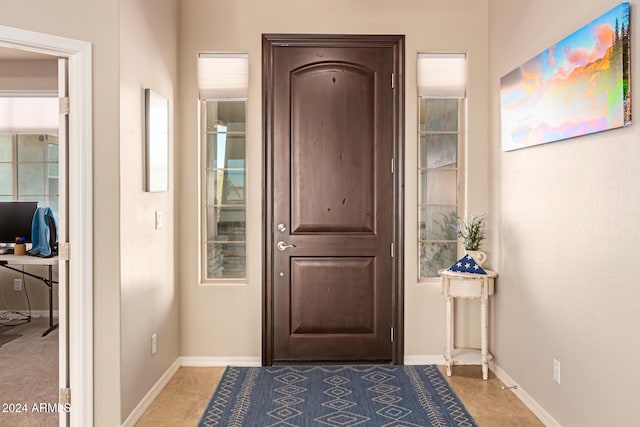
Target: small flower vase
x,y
478,256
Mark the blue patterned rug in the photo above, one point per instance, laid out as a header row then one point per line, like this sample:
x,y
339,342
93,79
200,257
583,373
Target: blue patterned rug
x,y
344,396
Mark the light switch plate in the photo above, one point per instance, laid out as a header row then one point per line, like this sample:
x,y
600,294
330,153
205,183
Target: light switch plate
x,y
556,371
159,219
154,344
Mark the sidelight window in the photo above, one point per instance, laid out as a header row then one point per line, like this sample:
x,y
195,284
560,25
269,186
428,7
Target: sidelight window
x,y
224,197
441,89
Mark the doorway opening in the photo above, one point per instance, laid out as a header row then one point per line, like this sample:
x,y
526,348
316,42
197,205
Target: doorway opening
x,y
75,226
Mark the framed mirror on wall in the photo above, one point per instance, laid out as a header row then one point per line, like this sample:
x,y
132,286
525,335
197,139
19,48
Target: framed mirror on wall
x,y
156,141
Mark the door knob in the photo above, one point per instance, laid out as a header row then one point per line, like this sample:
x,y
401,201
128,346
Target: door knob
x,y
283,246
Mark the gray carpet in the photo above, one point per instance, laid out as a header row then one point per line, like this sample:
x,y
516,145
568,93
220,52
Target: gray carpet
x,y
28,374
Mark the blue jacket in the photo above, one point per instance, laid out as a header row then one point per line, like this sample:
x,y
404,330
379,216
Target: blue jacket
x,y
41,232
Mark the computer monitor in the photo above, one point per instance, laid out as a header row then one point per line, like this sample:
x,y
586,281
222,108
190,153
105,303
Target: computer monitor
x,y
15,220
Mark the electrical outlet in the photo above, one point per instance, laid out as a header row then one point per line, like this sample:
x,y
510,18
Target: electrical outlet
x,y
17,285
154,344
556,371
159,219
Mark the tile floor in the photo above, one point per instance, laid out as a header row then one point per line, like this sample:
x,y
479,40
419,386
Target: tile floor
x,y
187,394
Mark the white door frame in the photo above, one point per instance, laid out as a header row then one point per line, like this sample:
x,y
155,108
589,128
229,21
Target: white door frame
x,y
80,214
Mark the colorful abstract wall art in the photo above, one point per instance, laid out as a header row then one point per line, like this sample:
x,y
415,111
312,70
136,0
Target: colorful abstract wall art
x,y
578,86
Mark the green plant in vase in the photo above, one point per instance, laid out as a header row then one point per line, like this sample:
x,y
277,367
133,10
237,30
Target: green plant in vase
x,y
471,232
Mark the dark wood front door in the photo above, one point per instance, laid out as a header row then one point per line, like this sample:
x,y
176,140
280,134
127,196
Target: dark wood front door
x,y
332,111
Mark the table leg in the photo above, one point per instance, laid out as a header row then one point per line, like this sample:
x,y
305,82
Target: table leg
x,y
449,337
50,284
483,337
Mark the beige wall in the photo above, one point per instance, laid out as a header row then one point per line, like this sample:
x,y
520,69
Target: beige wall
x,y
149,294
37,291
95,21
225,321
31,75
565,235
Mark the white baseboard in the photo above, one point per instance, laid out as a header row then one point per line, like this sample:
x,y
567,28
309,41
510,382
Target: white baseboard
x,y
521,394
220,361
429,359
424,359
151,395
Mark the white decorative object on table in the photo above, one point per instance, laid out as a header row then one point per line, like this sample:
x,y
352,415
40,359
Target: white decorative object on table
x,y
456,284
479,256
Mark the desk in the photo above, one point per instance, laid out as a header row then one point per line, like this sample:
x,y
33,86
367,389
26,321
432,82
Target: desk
x,y
9,261
467,285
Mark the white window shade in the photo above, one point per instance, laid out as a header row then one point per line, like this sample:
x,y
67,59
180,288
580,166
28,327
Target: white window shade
x,y
223,75
29,114
442,75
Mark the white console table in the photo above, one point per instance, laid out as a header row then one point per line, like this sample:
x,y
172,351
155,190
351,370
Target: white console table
x,y
467,285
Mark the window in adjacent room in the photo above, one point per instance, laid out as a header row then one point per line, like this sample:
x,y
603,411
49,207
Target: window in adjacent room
x,y
29,168
441,91
223,96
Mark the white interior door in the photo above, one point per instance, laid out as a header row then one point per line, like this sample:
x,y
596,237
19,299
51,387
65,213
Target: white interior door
x,y
63,208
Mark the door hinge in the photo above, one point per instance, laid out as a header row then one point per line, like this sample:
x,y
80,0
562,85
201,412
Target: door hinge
x,y
393,80
392,166
65,396
392,334
63,251
392,250
63,105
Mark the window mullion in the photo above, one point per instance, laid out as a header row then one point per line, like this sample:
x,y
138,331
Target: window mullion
x,y
15,166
